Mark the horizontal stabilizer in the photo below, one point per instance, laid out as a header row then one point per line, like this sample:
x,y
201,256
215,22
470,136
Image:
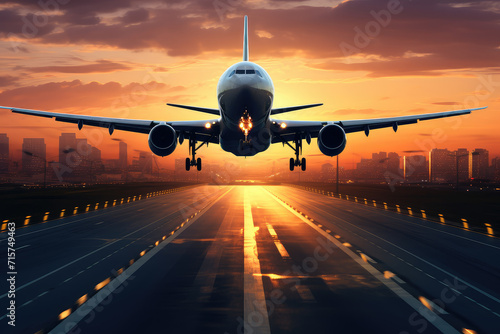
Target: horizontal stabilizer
x,y
288,109
200,109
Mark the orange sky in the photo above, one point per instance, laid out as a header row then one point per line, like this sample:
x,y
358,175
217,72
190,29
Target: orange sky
x,y
362,59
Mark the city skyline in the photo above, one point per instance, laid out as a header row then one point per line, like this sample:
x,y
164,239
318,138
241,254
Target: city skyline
x,y
76,159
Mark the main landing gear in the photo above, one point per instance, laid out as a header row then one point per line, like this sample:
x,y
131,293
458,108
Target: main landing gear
x,y
298,151
192,150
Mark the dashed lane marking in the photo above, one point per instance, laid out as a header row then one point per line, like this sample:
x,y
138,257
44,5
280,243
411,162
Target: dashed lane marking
x,y
72,320
438,322
283,252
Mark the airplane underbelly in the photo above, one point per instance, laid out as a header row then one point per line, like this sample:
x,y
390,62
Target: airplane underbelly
x,y
234,141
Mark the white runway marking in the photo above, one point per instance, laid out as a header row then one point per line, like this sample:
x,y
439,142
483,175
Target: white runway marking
x,y
78,315
254,304
421,259
438,322
277,242
83,256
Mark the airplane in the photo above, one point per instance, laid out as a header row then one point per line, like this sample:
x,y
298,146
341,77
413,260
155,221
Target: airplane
x,y
245,123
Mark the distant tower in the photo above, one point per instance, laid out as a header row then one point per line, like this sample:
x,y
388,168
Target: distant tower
x,y
146,162
4,153
479,164
463,164
34,161
67,142
123,155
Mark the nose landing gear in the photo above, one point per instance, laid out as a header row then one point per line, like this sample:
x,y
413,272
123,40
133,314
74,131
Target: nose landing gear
x,y
196,163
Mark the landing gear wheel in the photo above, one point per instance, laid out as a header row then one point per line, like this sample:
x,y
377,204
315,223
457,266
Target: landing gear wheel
x,y
198,164
192,150
297,148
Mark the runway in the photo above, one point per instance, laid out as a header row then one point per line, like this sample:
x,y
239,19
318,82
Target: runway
x,y
252,259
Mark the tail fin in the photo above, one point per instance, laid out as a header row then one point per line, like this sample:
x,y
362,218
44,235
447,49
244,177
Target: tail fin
x,y
245,40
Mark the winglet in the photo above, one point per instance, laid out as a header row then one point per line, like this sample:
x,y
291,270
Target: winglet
x,y
245,40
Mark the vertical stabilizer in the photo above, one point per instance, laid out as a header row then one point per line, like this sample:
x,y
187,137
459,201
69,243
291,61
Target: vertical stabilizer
x,y
245,40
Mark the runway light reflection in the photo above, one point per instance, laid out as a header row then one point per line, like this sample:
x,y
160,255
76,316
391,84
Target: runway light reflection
x,y
468,331
82,300
425,302
388,274
64,314
102,284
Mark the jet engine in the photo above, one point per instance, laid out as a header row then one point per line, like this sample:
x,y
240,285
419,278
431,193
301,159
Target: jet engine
x,y
331,140
162,140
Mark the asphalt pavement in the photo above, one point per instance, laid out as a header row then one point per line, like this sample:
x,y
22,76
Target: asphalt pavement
x,y
252,259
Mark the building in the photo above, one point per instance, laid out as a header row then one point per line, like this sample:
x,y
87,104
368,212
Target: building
x,y
393,163
495,169
146,162
415,169
328,173
67,145
4,153
380,168
462,154
479,164
441,165
122,158
34,155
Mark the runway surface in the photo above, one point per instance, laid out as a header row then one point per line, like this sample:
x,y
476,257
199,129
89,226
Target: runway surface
x,y
252,259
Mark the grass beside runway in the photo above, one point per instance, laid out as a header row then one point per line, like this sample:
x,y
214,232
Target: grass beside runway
x,y
18,202
478,207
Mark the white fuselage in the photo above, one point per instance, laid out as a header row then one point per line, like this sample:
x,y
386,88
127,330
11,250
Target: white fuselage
x,y
245,95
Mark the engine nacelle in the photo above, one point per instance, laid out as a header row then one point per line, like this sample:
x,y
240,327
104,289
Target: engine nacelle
x,y
162,140
331,140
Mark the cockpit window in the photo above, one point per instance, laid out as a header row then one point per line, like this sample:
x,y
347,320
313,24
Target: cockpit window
x,y
250,71
258,73
240,71
232,73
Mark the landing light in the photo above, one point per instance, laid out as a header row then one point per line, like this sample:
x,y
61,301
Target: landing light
x,y
246,124
283,125
208,125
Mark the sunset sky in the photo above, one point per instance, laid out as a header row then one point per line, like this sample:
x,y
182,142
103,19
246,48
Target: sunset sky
x,y
362,59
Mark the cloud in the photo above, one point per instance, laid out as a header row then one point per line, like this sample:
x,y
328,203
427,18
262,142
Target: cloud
x,y
77,95
135,16
12,23
7,80
100,66
425,37
445,103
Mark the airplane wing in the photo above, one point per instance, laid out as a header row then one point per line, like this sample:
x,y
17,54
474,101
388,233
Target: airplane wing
x,y
199,128
290,129
275,111
200,109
